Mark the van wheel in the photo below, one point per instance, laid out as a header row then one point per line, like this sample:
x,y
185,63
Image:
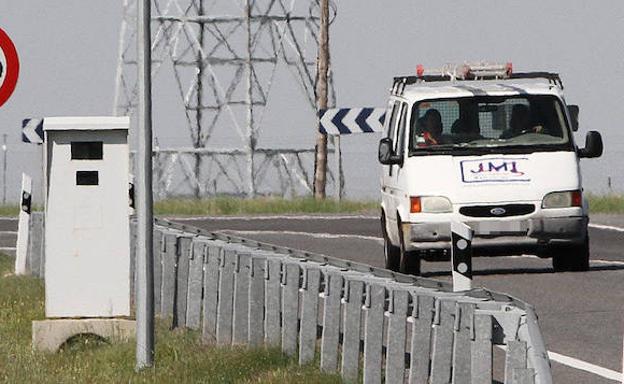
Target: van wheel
x,y
410,261
392,254
574,258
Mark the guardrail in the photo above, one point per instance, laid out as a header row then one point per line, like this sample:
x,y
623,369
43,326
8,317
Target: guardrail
x,y
366,323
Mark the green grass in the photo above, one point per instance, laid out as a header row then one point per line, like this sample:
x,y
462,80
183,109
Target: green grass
x,y
610,203
180,357
9,210
239,206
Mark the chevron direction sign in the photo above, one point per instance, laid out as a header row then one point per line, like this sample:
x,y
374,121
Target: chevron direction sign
x,y
344,121
32,131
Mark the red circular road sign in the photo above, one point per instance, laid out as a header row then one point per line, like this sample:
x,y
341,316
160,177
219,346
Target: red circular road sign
x,y
11,72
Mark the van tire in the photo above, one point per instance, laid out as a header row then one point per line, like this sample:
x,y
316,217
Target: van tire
x,y
392,253
410,261
573,258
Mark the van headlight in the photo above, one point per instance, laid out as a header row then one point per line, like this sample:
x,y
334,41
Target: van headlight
x,y
430,204
564,199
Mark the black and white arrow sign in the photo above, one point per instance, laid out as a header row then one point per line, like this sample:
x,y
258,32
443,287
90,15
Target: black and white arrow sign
x,y
344,121
32,131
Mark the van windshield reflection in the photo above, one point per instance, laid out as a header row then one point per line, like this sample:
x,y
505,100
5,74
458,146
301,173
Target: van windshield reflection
x,y
489,124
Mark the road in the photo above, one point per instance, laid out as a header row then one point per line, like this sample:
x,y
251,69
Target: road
x,y
580,314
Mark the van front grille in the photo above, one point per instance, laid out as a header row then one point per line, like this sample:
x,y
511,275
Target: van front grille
x,y
505,210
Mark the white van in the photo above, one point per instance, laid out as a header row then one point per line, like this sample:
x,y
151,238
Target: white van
x,y
492,149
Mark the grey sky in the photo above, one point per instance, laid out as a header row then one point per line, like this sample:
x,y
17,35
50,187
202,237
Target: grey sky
x,y
68,51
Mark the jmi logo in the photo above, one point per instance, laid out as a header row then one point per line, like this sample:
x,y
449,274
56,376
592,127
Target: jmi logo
x,y
498,166
495,170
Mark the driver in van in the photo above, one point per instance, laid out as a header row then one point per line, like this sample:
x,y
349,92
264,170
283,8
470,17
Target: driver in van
x,y
520,122
431,129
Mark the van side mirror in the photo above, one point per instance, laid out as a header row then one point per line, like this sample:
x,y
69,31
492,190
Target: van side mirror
x,y
593,145
386,153
573,110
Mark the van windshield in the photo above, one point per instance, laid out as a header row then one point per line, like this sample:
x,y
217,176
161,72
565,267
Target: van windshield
x,y
500,124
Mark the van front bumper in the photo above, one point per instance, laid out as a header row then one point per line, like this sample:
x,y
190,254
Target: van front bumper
x,y
533,232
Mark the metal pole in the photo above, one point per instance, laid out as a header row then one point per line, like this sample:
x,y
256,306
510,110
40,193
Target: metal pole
x,y
120,60
144,206
4,168
320,170
200,92
337,168
251,135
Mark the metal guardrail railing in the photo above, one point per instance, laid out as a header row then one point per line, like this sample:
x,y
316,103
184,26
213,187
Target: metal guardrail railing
x,y
364,322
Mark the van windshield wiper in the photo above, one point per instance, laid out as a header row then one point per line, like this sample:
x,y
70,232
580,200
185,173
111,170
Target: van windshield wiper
x,y
506,144
468,149
451,149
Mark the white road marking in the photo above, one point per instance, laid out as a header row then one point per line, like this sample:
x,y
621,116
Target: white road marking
x,y
585,366
600,262
308,234
606,227
608,262
271,217
580,365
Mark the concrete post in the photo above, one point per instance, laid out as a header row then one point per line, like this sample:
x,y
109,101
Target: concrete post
x,y
144,208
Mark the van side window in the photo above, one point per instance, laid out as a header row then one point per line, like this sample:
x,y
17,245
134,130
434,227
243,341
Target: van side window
x,y
392,121
399,144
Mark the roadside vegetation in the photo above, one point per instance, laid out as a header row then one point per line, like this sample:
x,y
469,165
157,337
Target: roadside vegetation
x,y
224,205
180,357
9,210
611,203
262,205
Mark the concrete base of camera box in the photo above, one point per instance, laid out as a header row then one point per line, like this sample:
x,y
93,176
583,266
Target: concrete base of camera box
x,y
50,335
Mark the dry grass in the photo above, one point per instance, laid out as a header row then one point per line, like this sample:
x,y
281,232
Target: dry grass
x,y
239,206
180,357
611,203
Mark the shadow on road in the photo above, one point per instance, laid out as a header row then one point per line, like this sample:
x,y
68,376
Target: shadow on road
x,y
522,271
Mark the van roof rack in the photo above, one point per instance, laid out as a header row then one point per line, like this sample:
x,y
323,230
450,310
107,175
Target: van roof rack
x,y
467,72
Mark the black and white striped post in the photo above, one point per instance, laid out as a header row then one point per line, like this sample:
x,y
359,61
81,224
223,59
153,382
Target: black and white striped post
x,y
461,256
23,225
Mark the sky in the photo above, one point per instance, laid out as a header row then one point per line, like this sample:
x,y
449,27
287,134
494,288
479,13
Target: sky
x,y
68,52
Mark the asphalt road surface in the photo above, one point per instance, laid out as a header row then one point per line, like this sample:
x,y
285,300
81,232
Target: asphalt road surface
x,y
580,313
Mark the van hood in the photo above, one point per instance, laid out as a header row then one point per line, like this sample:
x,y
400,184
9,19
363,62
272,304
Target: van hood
x,y
492,178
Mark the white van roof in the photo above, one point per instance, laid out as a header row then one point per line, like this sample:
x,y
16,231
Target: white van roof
x,y
475,80
452,89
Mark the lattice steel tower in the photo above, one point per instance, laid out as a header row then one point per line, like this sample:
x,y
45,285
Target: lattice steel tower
x,y
225,54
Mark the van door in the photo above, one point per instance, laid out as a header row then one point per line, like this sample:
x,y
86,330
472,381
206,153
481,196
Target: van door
x,y
396,128
398,192
386,170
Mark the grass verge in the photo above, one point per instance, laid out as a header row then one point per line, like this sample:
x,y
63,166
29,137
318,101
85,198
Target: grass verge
x,y
9,210
217,206
238,206
610,203
180,357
